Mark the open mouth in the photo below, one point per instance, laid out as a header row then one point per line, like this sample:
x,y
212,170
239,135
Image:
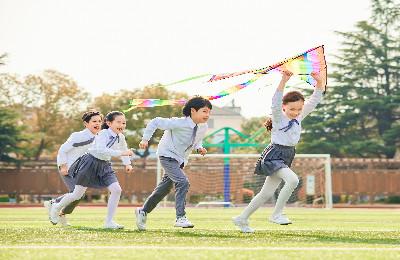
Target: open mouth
x,y
120,129
96,127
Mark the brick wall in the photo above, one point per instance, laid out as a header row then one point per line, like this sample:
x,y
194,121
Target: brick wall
x,y
206,175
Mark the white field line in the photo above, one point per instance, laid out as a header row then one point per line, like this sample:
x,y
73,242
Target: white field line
x,y
211,248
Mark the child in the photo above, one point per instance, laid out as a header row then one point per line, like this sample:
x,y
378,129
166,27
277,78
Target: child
x,y
76,145
287,113
180,137
94,168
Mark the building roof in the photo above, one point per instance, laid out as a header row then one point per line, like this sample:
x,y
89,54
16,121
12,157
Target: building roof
x,y
226,111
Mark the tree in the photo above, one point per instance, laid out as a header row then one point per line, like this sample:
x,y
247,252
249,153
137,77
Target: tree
x,y
360,112
48,104
11,136
139,117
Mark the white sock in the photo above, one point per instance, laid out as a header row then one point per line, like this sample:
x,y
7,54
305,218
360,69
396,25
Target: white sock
x,y
291,182
77,194
266,192
113,200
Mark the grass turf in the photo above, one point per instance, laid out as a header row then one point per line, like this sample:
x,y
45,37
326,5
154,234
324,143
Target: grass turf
x,y
316,234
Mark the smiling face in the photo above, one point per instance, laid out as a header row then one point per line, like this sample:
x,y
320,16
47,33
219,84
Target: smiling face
x,y
200,116
118,125
94,124
293,109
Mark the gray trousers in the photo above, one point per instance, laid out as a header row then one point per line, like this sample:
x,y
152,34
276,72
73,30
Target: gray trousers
x,y
70,183
174,175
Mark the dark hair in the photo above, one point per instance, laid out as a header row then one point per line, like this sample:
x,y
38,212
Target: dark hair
x,y
89,114
110,117
196,102
268,124
291,96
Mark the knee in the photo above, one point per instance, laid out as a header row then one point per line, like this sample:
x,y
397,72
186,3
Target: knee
x,y
116,189
185,184
293,182
77,196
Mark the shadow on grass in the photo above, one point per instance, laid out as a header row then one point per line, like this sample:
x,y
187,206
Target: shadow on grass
x,y
331,237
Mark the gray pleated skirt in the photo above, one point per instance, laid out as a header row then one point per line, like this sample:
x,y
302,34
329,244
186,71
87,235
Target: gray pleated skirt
x,y
273,158
92,172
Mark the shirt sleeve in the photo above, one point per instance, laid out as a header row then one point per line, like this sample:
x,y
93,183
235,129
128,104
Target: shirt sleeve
x,y
64,149
124,147
276,106
159,123
312,102
100,147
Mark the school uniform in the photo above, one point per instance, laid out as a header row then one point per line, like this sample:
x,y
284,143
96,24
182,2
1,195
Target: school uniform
x,y
76,145
93,169
285,135
181,136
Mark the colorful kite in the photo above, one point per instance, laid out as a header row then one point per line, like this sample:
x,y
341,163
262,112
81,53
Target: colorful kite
x,y
312,60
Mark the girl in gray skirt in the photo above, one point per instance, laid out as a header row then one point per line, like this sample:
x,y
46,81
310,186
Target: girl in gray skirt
x,y
94,170
288,111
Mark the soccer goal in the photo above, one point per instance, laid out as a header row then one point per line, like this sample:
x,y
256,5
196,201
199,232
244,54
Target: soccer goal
x,y
229,180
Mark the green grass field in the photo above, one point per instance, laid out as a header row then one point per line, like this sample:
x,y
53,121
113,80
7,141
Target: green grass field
x,y
316,234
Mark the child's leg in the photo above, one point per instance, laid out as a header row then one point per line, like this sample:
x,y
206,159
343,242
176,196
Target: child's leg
x,y
266,192
70,183
291,182
77,194
181,189
115,190
162,190
175,173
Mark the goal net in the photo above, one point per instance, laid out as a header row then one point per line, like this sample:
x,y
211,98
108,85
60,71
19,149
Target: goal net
x,y
229,179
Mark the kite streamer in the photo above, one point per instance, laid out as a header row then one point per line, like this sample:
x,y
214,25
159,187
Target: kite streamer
x,y
153,103
303,65
312,60
187,79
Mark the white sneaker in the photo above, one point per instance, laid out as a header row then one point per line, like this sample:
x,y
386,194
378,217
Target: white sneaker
x,y
48,204
113,225
280,219
63,221
183,222
54,214
242,224
141,218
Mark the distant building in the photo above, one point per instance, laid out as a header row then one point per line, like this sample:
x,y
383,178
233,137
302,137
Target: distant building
x,y
227,116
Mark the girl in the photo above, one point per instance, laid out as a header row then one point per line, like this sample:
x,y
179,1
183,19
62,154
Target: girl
x,y
180,137
75,146
94,168
287,113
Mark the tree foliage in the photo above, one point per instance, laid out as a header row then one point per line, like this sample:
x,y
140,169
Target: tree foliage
x,y
360,114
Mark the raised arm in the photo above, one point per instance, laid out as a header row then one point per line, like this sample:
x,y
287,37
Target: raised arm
x,y
276,107
316,97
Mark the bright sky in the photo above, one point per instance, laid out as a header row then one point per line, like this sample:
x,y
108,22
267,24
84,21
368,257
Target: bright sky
x,y
109,45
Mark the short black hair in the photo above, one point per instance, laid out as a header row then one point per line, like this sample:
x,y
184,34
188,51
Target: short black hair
x,y
89,114
195,102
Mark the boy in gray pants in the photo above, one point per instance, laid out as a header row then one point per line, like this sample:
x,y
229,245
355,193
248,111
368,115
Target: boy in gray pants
x,y
181,136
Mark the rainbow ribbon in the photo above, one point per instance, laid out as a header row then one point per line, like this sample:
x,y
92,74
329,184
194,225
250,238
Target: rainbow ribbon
x,y
303,64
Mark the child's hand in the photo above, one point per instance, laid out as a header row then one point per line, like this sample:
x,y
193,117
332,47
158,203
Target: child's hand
x,y
64,170
286,75
143,144
127,153
128,168
318,79
202,151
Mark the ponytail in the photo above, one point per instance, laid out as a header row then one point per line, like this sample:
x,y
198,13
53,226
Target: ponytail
x,y
268,124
